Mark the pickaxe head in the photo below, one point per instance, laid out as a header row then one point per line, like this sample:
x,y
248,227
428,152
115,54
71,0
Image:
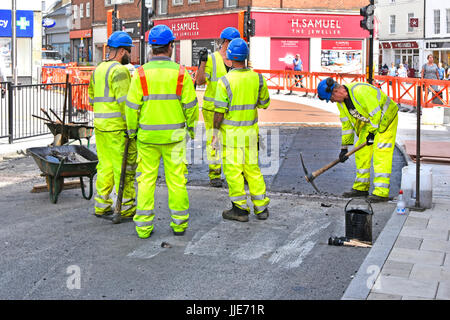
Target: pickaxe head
x,y
309,177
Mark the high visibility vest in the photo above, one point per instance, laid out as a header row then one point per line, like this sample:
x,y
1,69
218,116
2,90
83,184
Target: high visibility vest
x,y
239,93
374,109
109,111
161,102
215,69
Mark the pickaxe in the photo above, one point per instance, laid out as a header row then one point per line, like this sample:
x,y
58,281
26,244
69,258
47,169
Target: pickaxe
x,y
311,176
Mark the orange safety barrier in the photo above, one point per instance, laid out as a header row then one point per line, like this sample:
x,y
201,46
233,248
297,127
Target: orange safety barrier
x,y
401,90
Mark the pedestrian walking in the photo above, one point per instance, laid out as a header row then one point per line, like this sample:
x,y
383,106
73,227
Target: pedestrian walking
x,y
298,66
430,71
370,114
108,89
162,109
402,72
211,69
238,96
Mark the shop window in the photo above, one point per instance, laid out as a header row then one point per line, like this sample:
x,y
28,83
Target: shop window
x,y
75,11
437,21
448,20
230,3
410,16
162,7
392,24
177,2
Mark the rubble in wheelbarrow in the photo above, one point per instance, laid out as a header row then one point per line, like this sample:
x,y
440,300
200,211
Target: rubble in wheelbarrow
x,y
73,157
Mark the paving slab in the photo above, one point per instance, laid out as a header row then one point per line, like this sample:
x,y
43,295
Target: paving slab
x,y
425,272
435,245
405,287
443,291
417,256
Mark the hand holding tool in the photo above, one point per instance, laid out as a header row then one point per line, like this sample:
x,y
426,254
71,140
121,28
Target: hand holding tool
x,y
311,176
342,155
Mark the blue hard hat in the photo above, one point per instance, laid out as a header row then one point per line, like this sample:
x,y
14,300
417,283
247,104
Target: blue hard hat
x,y
230,33
237,50
325,89
120,39
160,35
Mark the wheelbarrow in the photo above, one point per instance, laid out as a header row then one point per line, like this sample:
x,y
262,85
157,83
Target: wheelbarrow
x,y
76,131
71,161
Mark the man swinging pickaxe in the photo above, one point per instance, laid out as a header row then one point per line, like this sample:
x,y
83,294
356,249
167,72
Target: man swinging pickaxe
x,y
311,176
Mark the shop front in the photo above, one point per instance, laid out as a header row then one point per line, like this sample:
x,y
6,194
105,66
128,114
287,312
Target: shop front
x,y
325,42
440,51
408,53
81,45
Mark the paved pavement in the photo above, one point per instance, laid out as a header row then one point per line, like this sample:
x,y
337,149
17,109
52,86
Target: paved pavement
x,y
409,260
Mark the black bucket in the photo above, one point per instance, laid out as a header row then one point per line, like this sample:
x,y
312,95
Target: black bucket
x,y
358,223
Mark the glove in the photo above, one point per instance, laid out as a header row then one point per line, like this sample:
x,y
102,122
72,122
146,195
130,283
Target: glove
x,y
342,156
370,138
203,54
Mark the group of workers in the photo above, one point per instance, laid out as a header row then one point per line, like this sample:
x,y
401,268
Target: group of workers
x,y
156,110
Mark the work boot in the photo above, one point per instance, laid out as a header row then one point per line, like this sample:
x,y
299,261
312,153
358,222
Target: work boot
x,y
374,198
216,183
179,233
355,194
263,215
235,213
105,215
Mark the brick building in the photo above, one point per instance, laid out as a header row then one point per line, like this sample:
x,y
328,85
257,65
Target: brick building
x,y
326,34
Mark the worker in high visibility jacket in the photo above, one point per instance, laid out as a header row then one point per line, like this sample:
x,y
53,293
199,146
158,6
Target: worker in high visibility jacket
x,y
238,96
210,70
108,89
370,114
162,109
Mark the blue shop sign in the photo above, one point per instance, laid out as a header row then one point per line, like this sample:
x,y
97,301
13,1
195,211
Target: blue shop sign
x,y
24,23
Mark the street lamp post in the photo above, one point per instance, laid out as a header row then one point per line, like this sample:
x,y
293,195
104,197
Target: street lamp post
x,y
14,42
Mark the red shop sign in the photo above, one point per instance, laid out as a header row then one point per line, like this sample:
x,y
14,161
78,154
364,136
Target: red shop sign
x,y
269,24
341,45
202,27
405,45
386,45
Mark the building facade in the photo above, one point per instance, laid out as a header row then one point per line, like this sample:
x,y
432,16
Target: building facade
x,y
81,44
58,36
401,33
437,31
327,35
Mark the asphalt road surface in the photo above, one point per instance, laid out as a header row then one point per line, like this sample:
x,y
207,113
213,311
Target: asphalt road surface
x,y
62,251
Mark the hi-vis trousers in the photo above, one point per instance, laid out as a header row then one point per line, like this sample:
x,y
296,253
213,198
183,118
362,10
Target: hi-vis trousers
x,y
244,160
174,157
110,148
382,151
213,156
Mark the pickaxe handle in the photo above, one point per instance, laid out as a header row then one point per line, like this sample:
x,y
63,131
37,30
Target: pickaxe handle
x,y
117,212
318,172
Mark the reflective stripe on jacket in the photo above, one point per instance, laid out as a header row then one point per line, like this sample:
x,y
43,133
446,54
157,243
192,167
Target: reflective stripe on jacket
x,y
161,116
108,89
239,93
372,104
214,70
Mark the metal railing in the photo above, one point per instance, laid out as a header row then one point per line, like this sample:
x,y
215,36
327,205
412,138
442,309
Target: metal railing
x,y
21,102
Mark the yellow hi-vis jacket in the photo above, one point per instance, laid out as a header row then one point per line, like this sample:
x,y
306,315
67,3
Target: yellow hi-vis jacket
x,y
214,70
108,89
373,108
239,94
161,103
